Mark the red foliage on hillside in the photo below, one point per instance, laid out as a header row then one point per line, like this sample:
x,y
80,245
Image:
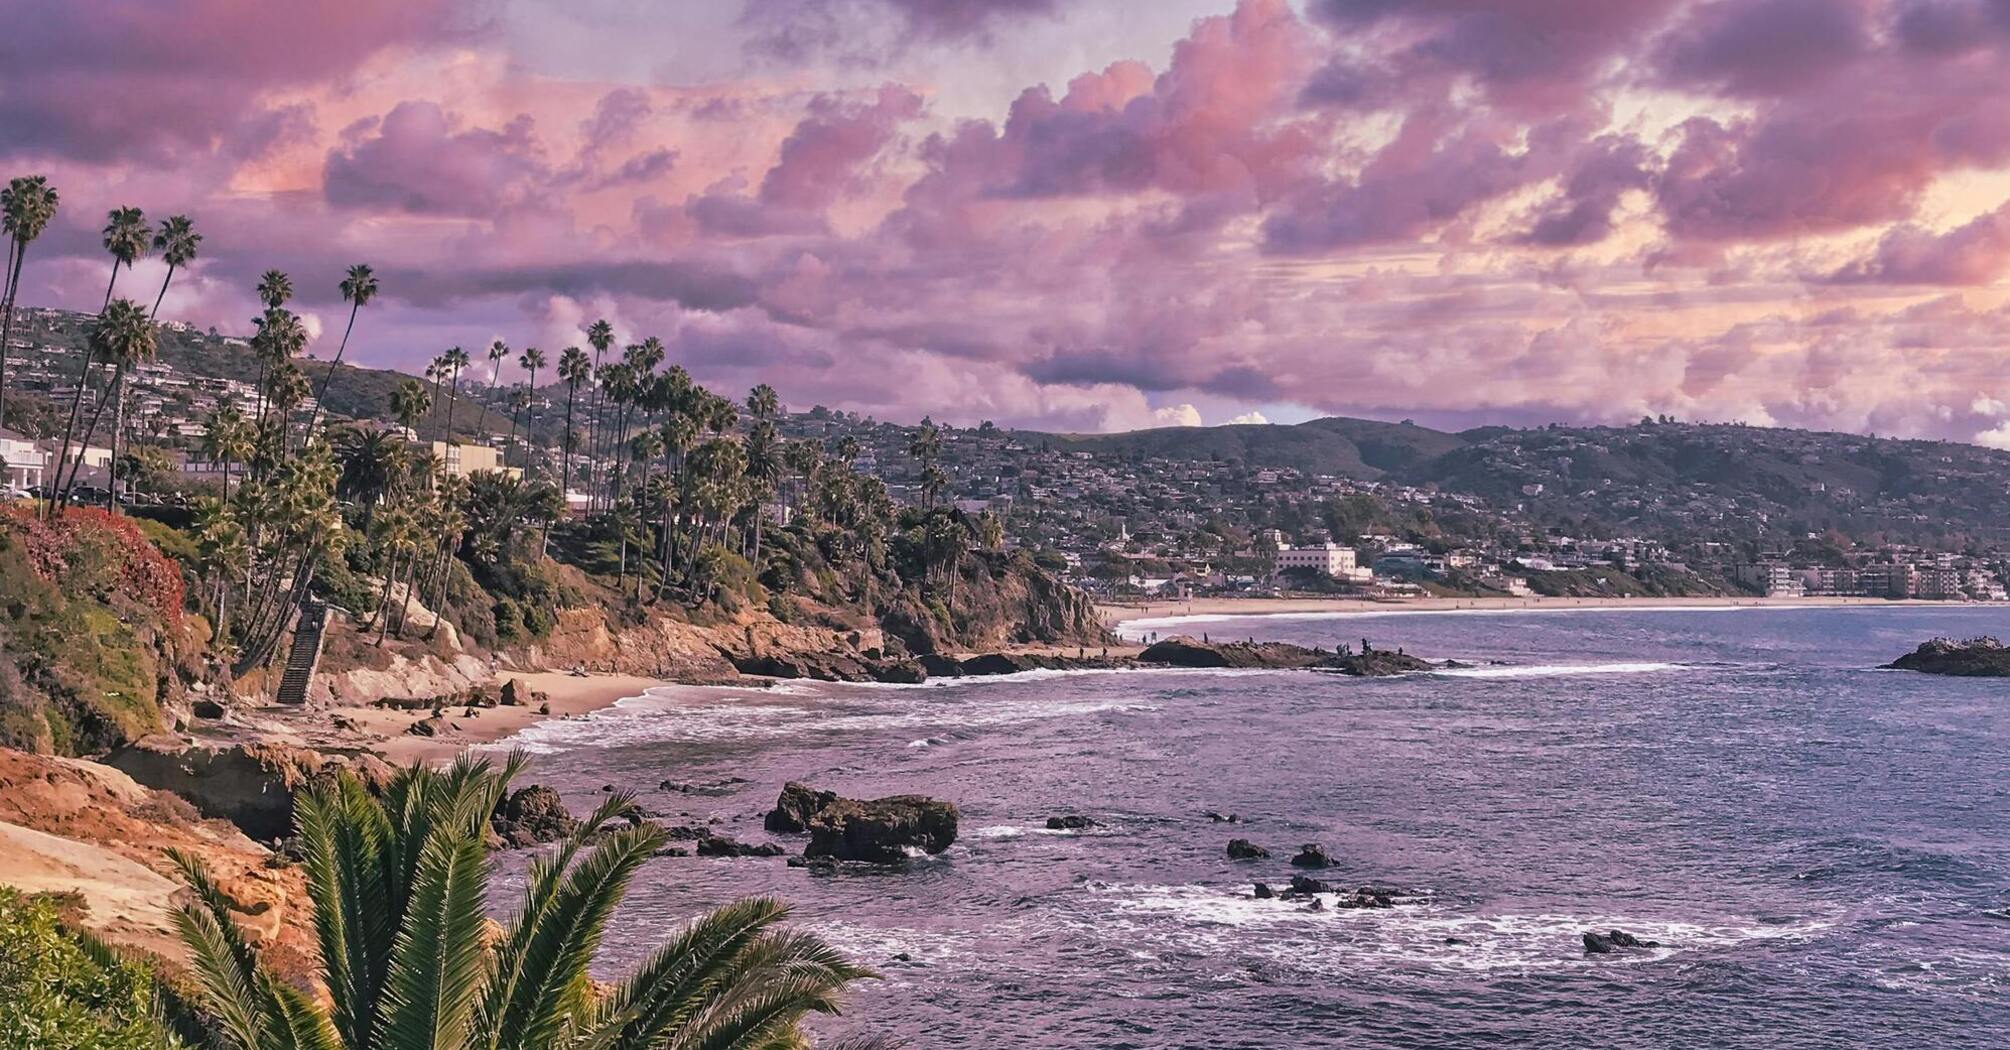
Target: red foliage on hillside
x,y
93,551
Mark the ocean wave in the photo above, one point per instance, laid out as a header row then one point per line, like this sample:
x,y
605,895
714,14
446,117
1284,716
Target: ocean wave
x,y
1553,670
1427,939
1131,628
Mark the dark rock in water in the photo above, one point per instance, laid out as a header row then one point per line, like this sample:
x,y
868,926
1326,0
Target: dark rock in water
x,y
1316,905
1069,823
721,846
1217,818
1191,652
672,851
998,663
1264,892
1305,886
1596,943
1378,663
1312,855
1243,849
793,810
1983,657
830,666
532,816
1364,898
882,830
940,666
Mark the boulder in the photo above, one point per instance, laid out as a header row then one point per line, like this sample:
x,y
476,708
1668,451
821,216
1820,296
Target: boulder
x,y
208,710
1264,892
531,816
881,831
1305,886
1243,849
724,846
1983,657
1069,823
793,810
1596,943
1312,855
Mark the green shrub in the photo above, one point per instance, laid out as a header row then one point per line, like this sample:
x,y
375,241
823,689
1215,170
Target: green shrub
x,y
60,994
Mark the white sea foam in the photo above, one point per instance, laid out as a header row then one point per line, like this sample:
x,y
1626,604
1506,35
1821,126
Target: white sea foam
x,y
1422,939
1132,628
1553,670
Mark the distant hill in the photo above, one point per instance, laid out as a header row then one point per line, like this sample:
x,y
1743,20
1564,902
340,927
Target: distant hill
x,y
1723,478
1354,448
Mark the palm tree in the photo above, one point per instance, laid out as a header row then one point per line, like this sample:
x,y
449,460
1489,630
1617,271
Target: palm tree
x,y
399,883
372,461
600,336
26,206
409,404
177,242
123,337
359,286
274,289
126,238
530,362
573,369
455,359
226,439
498,353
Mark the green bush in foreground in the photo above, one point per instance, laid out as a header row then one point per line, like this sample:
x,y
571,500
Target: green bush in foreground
x,y
62,992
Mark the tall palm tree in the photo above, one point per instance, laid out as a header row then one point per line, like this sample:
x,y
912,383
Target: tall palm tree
x,y
26,206
530,362
498,353
177,242
126,237
123,337
600,336
455,359
372,461
573,369
359,286
399,884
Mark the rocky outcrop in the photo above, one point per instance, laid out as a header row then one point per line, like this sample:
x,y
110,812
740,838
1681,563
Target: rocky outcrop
x,y
250,785
880,831
1193,652
1070,822
1983,657
838,665
883,830
1596,943
1312,855
1377,663
1197,653
1243,849
726,846
1003,600
796,806
531,816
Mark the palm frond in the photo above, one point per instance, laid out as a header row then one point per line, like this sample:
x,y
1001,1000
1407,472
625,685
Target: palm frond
x,y
676,982
437,963
551,986
756,1016
229,993
540,890
343,831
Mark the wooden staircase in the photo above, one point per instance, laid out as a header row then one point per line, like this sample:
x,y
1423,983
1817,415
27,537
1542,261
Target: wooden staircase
x,y
301,660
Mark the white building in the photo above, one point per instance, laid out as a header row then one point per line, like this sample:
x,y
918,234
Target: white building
x,y
24,460
1330,559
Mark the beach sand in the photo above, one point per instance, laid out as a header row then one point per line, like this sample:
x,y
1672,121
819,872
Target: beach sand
x,y
1113,613
572,696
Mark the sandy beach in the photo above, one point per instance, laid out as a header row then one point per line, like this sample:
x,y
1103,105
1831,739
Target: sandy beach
x,y
1113,613
572,696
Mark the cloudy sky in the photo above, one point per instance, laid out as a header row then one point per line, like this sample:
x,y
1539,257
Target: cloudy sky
x,y
1086,214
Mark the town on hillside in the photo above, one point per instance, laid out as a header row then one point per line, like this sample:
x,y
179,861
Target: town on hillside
x,y
1332,507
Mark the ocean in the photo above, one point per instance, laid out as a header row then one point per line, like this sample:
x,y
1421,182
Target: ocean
x,y
1821,848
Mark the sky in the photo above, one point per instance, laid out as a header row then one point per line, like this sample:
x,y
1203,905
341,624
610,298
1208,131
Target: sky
x,y
1084,215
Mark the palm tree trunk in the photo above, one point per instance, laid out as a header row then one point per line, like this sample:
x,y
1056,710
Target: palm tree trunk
x,y
321,396
163,293
109,285
454,393
118,431
97,416
15,253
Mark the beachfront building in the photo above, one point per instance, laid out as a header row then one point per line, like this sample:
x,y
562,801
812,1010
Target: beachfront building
x,y
463,460
23,460
1330,559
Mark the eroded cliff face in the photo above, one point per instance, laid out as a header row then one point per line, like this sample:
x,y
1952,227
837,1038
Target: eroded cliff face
x,y
998,601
